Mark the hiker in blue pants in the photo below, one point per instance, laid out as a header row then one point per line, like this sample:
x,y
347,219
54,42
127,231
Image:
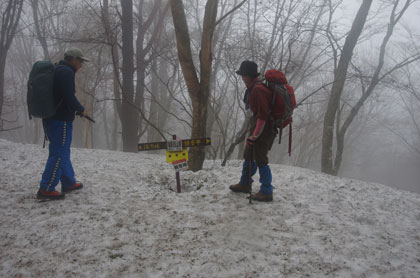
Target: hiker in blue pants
x,y
261,137
58,129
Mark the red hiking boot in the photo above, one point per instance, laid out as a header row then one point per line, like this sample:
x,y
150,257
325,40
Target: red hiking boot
x,y
49,195
76,186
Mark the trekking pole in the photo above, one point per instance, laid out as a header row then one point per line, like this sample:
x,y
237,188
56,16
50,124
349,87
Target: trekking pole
x,y
250,174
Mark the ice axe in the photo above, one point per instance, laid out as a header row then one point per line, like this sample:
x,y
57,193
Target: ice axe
x,y
85,116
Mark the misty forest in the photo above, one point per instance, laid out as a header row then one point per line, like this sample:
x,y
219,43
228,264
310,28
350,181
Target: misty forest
x,y
159,68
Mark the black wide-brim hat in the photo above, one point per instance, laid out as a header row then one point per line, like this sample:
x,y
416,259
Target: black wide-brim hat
x,y
248,68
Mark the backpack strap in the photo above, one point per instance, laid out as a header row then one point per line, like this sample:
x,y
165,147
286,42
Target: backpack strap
x,y
273,101
56,65
45,132
280,130
248,92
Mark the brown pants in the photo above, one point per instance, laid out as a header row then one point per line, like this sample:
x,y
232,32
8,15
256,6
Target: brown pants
x,y
263,144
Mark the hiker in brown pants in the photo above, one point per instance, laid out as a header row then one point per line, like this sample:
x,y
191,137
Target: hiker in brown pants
x,y
261,137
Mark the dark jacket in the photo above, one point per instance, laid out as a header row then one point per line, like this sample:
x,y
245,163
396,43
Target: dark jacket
x,y
64,92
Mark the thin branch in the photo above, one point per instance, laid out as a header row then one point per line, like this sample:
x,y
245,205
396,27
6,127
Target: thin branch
x,y
228,13
9,129
410,146
313,93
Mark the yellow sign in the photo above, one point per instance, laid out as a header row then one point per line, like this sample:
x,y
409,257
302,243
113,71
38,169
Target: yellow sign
x,y
174,156
196,142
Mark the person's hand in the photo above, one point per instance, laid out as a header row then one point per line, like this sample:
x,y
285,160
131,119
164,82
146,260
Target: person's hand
x,y
83,114
251,140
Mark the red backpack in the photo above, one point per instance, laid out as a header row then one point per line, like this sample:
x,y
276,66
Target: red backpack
x,y
283,102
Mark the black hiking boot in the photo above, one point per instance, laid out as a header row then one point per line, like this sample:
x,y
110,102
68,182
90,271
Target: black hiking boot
x,y
261,197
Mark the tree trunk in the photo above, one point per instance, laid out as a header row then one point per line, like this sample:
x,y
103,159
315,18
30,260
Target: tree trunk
x,y
112,40
215,107
87,126
338,85
163,95
40,36
394,18
152,135
114,139
2,68
159,98
107,131
199,90
129,114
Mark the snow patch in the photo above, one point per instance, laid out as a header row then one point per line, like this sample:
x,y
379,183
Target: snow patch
x,y
127,222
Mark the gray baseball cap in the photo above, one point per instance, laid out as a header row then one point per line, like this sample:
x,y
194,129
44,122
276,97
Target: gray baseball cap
x,y
75,52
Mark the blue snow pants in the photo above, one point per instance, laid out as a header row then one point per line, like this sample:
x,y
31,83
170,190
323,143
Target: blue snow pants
x,y
58,166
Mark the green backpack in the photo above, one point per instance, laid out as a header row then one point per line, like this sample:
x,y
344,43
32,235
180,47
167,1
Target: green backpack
x,y
40,95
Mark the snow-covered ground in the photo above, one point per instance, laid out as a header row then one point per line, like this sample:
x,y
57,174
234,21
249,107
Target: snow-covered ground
x,y
127,222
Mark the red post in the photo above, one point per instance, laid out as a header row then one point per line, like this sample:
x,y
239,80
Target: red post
x,y
178,180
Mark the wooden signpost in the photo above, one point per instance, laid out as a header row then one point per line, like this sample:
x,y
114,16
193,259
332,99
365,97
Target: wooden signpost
x,y
164,145
176,152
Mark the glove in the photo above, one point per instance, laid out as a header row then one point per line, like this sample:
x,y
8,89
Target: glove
x,y
81,114
251,140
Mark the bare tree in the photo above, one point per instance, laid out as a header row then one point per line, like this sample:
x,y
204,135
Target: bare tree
x,y
368,86
198,89
409,95
130,104
338,85
10,11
